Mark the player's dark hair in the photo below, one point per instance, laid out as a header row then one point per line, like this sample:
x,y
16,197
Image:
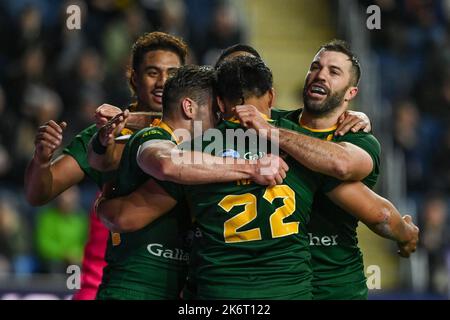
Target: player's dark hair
x,y
235,48
190,81
342,46
243,77
155,41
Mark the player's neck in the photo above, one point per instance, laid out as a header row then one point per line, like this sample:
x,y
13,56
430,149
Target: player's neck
x,y
142,107
261,104
175,124
320,122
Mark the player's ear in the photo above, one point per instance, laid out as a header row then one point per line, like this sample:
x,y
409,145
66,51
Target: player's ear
x,y
188,106
133,79
271,96
351,93
221,105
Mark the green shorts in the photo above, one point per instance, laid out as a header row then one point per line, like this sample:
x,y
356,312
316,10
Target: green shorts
x,y
126,294
345,291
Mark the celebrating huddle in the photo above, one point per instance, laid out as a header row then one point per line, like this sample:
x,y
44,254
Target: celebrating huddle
x,y
223,196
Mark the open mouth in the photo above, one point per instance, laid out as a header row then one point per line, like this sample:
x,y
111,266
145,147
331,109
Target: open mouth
x,y
317,90
157,95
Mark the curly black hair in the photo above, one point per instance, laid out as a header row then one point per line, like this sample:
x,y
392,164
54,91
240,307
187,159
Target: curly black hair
x,y
152,41
243,77
235,48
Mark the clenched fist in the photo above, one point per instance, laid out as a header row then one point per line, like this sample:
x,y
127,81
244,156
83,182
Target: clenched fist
x,y
48,139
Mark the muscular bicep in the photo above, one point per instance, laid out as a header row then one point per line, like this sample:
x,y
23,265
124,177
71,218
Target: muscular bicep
x,y
66,172
155,157
360,163
358,200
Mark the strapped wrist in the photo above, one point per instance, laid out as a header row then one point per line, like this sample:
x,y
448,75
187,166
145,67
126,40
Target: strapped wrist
x,y
97,146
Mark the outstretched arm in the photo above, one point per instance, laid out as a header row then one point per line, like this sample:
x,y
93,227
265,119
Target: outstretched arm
x,y
104,152
377,213
164,161
136,120
344,161
136,210
44,178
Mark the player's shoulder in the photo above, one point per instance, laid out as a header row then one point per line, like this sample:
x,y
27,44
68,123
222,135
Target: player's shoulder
x,y
278,113
152,132
81,140
361,139
149,133
360,135
88,132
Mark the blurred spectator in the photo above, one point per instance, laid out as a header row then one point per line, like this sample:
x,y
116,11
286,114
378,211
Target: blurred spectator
x,y
223,32
173,18
412,139
61,232
120,34
440,177
40,104
5,135
29,31
85,85
13,239
435,239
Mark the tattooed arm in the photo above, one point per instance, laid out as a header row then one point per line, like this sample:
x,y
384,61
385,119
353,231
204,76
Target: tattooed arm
x,y
378,214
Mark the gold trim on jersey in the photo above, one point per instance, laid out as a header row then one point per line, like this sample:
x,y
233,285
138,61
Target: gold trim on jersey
x,y
234,120
126,131
155,122
318,130
166,127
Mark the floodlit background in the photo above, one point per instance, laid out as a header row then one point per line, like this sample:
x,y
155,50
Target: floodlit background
x,y
50,72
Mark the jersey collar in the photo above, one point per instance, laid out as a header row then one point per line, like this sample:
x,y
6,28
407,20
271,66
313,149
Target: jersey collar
x,y
234,120
315,130
166,127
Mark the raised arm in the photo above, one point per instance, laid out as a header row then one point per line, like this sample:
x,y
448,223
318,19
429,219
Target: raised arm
x,y
164,161
344,161
44,178
377,213
136,210
104,152
136,120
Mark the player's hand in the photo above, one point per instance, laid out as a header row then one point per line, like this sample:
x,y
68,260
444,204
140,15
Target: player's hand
x,y
408,247
113,127
48,139
104,113
251,118
353,121
271,170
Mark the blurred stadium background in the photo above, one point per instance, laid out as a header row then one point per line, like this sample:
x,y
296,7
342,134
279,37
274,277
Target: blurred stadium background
x,y
50,72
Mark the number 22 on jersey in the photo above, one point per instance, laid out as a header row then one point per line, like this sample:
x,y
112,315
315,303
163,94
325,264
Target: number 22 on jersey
x,y
278,227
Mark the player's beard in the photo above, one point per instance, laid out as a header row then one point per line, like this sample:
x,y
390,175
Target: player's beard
x,y
327,106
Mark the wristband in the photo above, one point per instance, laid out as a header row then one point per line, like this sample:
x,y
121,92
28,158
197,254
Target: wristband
x,y
97,146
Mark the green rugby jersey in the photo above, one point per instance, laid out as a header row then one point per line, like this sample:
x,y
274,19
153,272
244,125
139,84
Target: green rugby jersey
x,y
150,263
78,149
254,242
338,269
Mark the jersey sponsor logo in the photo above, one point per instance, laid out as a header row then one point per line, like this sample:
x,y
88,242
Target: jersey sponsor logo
x,y
325,241
229,153
150,132
254,156
158,250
